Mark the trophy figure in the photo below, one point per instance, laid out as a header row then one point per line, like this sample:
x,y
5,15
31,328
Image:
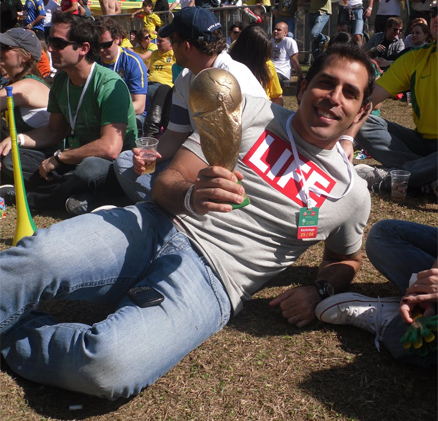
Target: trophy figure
x,y
215,101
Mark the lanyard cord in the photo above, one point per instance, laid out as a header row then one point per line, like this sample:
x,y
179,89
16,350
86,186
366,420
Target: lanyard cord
x,y
73,119
309,200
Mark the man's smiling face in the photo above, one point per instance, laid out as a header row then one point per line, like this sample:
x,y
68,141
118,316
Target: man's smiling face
x,y
331,102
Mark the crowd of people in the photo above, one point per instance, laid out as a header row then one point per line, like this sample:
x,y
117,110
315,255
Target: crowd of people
x,y
179,262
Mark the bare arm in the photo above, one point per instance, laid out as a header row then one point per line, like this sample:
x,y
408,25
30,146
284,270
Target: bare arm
x,y
139,102
26,93
213,186
108,146
296,66
37,20
298,304
367,12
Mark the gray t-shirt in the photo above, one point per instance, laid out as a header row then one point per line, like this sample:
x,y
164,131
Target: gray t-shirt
x,y
248,246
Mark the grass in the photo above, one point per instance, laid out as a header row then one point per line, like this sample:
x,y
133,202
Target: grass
x,y
259,367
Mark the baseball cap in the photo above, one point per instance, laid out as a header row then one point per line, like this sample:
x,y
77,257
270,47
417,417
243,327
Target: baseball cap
x,y
20,37
194,23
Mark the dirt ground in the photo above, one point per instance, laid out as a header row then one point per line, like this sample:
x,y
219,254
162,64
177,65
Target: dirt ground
x,y
259,367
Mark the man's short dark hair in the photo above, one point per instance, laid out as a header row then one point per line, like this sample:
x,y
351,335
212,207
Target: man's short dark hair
x,y
105,23
81,30
210,48
394,20
350,52
148,3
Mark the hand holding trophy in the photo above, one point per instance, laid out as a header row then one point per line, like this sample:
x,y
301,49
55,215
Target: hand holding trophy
x,y
215,101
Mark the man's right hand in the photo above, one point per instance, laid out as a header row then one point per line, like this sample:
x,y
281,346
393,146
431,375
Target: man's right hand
x,y
215,188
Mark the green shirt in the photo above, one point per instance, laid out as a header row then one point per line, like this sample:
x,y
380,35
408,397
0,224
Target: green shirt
x,y
106,101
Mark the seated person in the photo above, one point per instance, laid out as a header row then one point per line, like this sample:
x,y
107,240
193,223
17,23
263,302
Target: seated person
x,y
395,146
175,271
285,55
285,12
144,47
188,26
126,63
84,105
408,39
20,53
386,45
233,33
160,66
397,249
151,21
254,49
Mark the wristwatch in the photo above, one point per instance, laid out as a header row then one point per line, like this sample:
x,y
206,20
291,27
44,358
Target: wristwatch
x,y
56,156
324,289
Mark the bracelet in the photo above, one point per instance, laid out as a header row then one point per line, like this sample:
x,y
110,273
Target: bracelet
x,y
20,139
346,137
369,8
187,199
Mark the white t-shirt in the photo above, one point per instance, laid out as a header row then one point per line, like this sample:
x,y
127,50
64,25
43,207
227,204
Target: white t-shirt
x,y
390,8
281,54
51,7
248,246
180,118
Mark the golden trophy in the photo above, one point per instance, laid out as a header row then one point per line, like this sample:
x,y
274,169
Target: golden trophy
x,y
215,102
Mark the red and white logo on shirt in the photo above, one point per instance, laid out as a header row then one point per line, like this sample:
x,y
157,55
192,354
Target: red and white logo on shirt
x,y
272,159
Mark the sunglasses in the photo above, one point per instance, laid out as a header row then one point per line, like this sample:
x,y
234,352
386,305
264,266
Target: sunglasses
x,y
4,47
106,45
433,12
236,32
397,29
145,38
59,43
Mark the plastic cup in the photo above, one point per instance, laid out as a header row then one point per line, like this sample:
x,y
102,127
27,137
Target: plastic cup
x,y
148,146
399,184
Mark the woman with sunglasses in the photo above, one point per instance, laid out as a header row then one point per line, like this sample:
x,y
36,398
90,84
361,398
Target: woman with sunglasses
x,y
20,51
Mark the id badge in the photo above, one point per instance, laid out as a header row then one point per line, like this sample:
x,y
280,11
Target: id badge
x,y
72,142
308,223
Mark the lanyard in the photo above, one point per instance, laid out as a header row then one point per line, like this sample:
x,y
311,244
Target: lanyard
x,y
73,119
314,189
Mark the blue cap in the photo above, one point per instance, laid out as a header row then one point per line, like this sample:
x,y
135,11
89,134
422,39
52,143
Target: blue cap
x,y
192,23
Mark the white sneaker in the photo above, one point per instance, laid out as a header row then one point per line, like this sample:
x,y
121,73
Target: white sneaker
x,y
370,314
104,207
373,176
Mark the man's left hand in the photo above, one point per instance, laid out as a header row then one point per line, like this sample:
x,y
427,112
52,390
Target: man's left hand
x,y
298,305
46,167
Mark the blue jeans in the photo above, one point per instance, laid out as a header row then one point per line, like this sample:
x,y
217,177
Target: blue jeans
x,y
98,258
136,187
356,25
397,249
317,22
398,147
88,176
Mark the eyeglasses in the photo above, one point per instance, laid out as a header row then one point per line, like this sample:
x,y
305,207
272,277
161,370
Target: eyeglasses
x,y
433,12
4,47
397,29
59,43
106,45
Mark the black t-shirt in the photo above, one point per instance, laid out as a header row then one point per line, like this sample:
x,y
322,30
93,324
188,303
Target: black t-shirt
x,y
8,13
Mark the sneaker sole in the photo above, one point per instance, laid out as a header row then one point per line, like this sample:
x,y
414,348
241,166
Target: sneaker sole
x,y
346,298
